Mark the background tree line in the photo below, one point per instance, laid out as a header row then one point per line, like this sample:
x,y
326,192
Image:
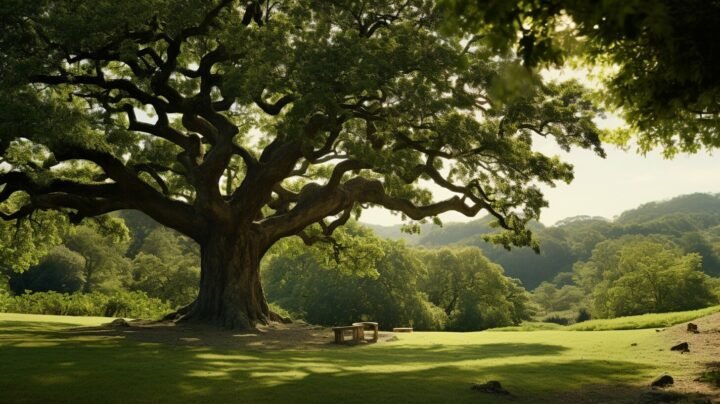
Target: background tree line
x,y
386,281
127,252
659,257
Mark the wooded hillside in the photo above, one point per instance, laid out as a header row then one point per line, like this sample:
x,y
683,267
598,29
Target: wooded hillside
x,y
691,221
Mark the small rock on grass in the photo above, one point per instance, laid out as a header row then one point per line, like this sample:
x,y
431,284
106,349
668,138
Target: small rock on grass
x,y
492,387
693,328
662,381
119,322
682,347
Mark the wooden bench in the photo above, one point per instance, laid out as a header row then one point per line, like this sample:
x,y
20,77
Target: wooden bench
x,y
356,331
368,325
402,329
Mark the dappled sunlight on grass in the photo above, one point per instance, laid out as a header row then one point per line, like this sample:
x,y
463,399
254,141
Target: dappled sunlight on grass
x,y
207,373
421,367
215,356
48,380
37,344
66,321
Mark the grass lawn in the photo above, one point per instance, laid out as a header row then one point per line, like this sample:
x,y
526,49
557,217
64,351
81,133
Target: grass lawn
x,y
652,320
40,361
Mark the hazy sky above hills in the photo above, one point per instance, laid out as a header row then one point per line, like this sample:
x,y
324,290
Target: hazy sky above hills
x,y
607,187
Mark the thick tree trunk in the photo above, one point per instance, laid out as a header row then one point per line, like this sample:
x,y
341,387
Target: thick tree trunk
x,y
231,295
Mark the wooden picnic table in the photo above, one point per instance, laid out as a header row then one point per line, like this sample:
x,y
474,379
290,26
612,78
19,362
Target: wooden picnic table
x,y
369,325
357,332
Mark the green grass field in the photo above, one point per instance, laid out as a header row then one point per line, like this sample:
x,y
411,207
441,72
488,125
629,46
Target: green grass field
x,y
652,320
40,361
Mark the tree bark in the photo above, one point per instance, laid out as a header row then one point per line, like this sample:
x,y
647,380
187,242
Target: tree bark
x,y
231,294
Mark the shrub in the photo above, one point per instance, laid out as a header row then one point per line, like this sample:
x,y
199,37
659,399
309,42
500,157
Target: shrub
x,y
275,308
5,301
427,316
134,304
556,319
711,376
118,304
583,315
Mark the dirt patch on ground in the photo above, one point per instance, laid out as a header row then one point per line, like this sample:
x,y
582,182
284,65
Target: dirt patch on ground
x,y
704,355
273,336
626,394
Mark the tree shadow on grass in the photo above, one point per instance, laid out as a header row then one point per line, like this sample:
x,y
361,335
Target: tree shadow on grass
x,y
141,373
23,327
108,368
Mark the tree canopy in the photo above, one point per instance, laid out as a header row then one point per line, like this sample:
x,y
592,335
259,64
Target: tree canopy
x,y
662,56
636,275
241,123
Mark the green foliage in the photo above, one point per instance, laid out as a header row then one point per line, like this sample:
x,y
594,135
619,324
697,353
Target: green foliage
x,y
472,291
668,249
105,265
706,206
259,122
556,319
5,301
690,221
711,376
24,243
715,284
635,275
140,226
551,298
429,290
167,267
329,292
560,246
61,270
660,57
275,308
583,315
93,257
117,304
379,84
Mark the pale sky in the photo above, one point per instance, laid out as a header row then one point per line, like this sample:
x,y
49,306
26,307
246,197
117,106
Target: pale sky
x,y
607,187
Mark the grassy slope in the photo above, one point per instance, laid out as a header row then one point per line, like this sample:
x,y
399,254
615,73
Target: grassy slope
x,y
652,320
39,362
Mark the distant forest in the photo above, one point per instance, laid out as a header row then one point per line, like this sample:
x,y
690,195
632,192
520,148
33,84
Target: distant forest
x,y
692,222
661,257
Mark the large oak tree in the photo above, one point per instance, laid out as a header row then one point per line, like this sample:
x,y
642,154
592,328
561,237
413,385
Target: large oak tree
x,y
239,123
